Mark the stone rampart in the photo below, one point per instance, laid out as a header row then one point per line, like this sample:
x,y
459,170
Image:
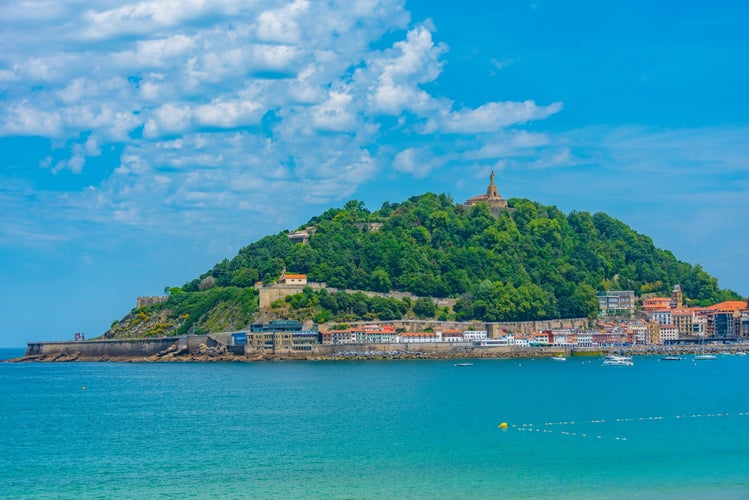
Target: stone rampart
x,y
102,348
149,301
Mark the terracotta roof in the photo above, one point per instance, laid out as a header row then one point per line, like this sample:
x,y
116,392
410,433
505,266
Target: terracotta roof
x,y
729,305
295,276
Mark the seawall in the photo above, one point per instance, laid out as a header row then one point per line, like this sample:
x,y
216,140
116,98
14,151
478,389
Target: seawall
x,y
98,349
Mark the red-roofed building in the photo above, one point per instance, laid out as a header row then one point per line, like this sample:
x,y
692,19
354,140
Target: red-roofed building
x,y
292,279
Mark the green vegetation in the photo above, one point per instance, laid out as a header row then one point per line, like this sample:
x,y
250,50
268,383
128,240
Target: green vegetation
x,y
212,310
529,262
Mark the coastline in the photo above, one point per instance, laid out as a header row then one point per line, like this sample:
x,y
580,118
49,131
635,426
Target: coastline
x,y
372,352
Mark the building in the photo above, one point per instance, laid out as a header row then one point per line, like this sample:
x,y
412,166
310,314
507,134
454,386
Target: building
x,y
418,337
474,335
616,302
653,333
451,335
683,319
491,197
669,334
663,317
656,304
677,298
637,332
292,279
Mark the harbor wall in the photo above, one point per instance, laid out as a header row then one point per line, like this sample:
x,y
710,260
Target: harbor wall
x,y
102,348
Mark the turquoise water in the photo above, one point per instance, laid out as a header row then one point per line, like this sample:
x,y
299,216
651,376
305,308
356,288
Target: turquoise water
x,y
370,429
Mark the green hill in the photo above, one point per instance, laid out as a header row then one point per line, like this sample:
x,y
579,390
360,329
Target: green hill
x,y
525,262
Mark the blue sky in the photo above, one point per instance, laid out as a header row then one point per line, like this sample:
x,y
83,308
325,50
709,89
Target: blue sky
x,y
142,142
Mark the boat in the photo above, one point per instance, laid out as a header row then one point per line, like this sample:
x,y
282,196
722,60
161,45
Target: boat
x,y
618,361
704,356
463,364
671,358
558,358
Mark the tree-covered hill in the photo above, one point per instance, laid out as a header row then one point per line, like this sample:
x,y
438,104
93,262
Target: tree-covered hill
x,y
529,262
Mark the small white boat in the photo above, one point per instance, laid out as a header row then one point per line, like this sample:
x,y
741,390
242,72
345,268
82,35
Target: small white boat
x,y
558,358
671,358
463,364
618,362
703,357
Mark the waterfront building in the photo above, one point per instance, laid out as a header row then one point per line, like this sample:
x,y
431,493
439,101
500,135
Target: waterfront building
x,y
585,339
304,340
684,321
616,303
609,338
669,334
519,340
417,337
450,335
653,333
474,335
338,337
699,326
636,332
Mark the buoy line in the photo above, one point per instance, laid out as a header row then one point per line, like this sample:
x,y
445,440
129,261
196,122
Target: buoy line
x,y
546,427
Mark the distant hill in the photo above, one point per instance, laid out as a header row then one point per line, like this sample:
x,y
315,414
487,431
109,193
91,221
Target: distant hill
x,y
524,261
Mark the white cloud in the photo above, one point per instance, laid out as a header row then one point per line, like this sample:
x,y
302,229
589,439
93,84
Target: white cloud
x,y
224,107
416,161
228,114
398,72
491,117
280,25
333,114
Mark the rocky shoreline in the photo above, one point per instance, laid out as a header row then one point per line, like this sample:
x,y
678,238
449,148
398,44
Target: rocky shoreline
x,y
181,355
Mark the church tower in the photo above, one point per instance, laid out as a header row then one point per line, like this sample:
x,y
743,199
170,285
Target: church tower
x,y
492,198
491,191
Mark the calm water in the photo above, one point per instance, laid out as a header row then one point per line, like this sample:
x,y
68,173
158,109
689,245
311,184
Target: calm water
x,y
397,429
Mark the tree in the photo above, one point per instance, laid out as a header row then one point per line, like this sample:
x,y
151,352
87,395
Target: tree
x,y
424,308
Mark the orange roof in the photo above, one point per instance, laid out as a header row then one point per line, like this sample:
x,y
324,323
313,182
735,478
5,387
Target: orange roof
x,y
295,276
729,305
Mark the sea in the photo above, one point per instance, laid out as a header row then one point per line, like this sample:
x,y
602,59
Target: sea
x,y
376,429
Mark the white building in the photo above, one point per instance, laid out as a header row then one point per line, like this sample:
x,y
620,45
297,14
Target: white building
x,y
669,334
474,335
662,317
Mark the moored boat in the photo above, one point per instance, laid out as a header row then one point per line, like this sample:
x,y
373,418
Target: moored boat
x,y
705,356
618,362
671,358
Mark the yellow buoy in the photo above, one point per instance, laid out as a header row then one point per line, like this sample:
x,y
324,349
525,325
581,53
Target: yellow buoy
x,y
503,425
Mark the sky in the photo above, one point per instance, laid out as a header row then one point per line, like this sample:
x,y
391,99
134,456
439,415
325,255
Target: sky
x,y
141,142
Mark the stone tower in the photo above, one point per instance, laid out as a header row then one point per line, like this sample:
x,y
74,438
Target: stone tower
x,y
676,297
491,191
492,198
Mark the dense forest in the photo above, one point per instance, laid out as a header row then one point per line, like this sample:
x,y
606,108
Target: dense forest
x,y
528,262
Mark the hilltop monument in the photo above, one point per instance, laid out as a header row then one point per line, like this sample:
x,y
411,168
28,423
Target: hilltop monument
x,y
491,197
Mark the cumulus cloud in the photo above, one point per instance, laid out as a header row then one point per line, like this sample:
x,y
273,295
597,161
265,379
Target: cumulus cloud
x,y
491,117
218,104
